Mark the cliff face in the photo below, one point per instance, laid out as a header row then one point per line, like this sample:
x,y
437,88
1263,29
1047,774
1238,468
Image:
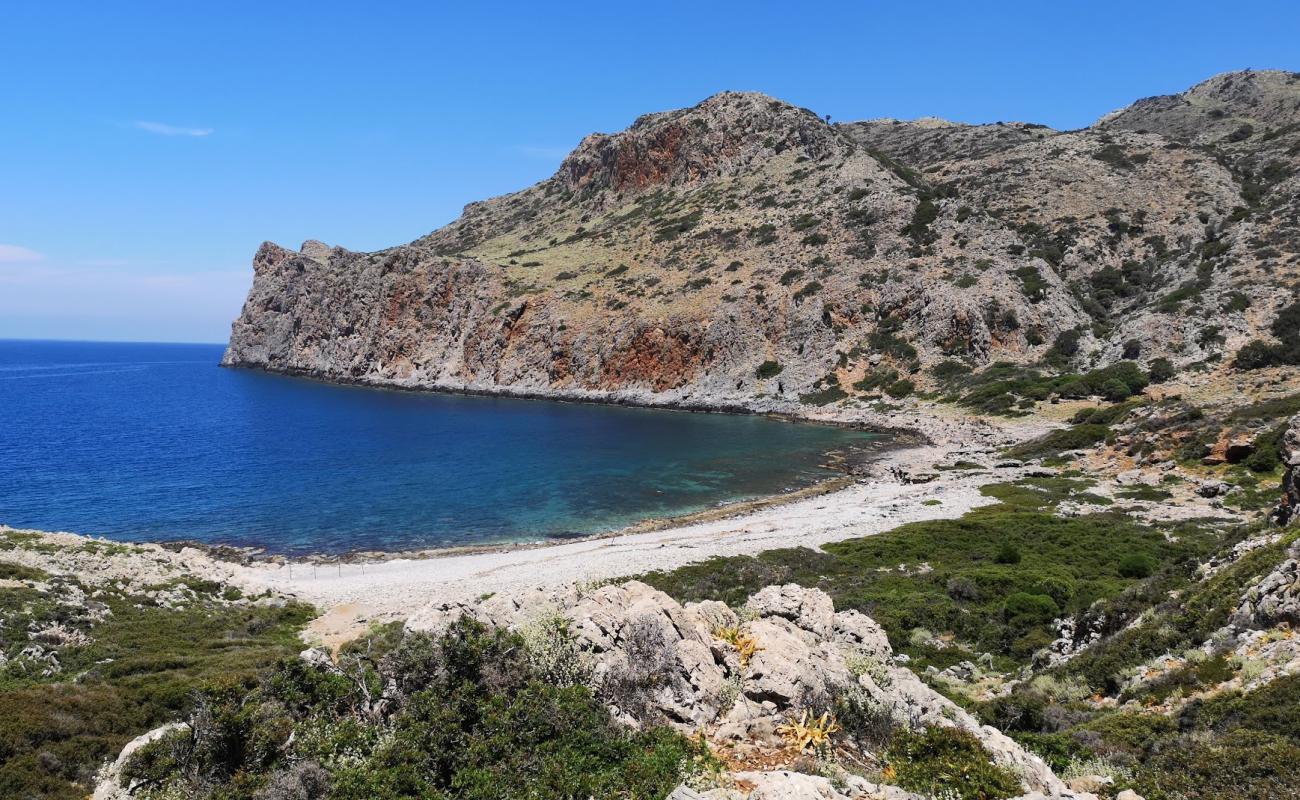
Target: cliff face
x,y
666,263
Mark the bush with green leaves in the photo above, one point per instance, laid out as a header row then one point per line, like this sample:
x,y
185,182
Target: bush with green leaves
x,y
1068,561
140,667
469,714
1258,354
949,762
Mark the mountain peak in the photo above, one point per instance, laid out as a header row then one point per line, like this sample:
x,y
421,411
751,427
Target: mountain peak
x,y
714,138
1228,104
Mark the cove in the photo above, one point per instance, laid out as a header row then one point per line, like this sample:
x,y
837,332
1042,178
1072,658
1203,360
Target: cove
x,y
155,442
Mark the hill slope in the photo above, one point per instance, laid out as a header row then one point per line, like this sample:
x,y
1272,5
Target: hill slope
x,y
745,253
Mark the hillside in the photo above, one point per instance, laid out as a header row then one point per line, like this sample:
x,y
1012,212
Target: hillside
x,y
745,253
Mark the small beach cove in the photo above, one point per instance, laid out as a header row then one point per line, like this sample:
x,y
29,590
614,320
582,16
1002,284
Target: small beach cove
x,y
142,442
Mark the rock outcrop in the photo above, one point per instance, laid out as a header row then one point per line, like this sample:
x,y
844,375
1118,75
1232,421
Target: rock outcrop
x,y
1289,507
666,263
738,678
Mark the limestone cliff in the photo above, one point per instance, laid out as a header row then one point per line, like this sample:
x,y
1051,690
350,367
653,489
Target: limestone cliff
x,y
667,263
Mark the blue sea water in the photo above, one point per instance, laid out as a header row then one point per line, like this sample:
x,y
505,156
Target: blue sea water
x,y
156,442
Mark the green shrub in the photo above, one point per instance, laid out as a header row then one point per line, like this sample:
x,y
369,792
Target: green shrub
x,y
790,276
918,229
1267,455
1258,354
1079,437
1136,566
822,397
966,591
466,716
807,291
1243,765
1008,553
1160,370
1030,609
769,369
949,762
899,389
142,669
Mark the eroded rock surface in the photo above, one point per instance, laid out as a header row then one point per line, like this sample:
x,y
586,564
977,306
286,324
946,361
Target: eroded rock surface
x,y
803,651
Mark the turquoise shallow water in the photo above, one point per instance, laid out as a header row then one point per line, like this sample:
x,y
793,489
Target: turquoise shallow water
x,y
155,441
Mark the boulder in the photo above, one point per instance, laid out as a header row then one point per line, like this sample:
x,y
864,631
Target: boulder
x,y
108,785
657,661
1213,488
809,609
1231,448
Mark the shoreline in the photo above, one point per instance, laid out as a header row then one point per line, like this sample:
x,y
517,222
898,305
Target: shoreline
x,y
884,483
352,596
857,464
779,409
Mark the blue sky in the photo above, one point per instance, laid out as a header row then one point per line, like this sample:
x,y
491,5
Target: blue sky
x,y
146,148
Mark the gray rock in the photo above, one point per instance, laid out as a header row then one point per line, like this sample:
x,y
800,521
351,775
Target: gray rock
x,y
1288,509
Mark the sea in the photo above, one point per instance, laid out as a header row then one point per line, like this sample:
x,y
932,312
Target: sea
x,y
156,442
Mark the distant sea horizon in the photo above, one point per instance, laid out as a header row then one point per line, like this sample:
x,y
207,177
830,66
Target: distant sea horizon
x,y
153,441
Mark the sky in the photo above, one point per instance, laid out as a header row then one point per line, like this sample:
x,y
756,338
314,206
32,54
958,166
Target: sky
x,y
148,148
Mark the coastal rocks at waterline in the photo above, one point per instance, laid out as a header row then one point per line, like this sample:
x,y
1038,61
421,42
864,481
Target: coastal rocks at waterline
x,y
738,677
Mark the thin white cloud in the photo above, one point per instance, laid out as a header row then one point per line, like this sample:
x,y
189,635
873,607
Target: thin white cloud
x,y
549,153
13,254
163,129
160,304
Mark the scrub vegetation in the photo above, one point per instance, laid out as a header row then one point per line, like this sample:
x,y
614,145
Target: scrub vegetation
x,y
87,669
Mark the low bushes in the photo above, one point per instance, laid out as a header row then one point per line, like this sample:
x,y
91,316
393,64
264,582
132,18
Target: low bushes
x,y
1259,354
1001,387
142,668
465,715
1078,437
948,762
1068,562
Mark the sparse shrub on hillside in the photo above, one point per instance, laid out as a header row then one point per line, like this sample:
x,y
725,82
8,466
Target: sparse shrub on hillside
x,y
768,369
1160,370
473,717
1258,354
763,234
1064,348
948,762
1136,566
807,291
1079,437
1031,283
804,222
918,229
1115,156
900,389
822,397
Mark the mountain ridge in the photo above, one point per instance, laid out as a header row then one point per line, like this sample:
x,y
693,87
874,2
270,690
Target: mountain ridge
x,y
668,263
